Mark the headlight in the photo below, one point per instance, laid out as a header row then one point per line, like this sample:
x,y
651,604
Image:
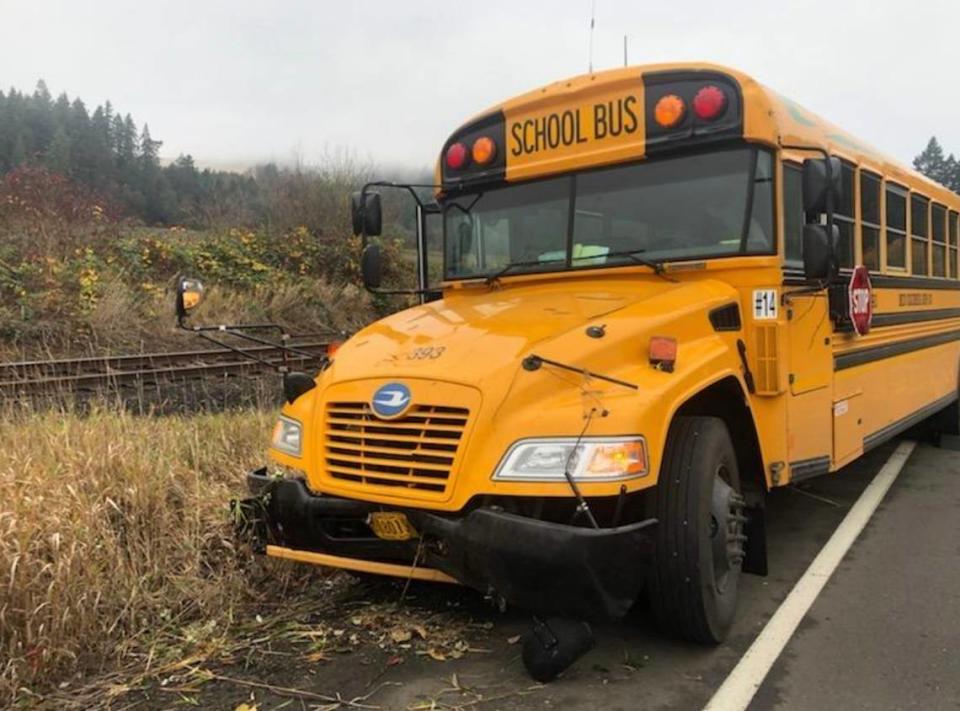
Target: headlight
x,y
593,459
288,436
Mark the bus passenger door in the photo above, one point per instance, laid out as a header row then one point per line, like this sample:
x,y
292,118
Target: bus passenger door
x,y
810,377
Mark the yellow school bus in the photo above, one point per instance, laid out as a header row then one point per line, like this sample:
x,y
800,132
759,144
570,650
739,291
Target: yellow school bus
x,y
665,291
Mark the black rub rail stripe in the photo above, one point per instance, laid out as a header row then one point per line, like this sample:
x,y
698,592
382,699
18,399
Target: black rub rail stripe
x,y
889,350
892,430
901,317
807,468
882,281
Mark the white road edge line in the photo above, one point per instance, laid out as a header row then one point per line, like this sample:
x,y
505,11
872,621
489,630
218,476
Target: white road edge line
x,y
739,688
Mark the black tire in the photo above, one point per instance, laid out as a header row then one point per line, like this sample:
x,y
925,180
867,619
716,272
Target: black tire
x,y
699,548
947,421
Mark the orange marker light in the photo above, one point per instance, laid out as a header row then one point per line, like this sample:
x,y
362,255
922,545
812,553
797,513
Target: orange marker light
x,y
484,150
663,352
333,347
669,111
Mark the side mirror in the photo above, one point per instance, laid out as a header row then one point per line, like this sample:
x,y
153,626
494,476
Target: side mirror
x,y
819,249
189,296
816,185
371,266
367,218
296,384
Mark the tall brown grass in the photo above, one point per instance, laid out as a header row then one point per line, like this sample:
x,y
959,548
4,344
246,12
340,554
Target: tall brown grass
x,y
112,525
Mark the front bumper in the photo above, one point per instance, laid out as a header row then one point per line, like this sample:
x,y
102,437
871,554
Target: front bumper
x,y
547,568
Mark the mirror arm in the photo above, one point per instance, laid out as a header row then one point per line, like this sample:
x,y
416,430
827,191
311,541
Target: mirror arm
x,y
405,292
246,354
237,331
238,327
409,187
426,207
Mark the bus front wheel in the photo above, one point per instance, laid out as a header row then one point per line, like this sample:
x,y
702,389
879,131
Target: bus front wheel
x,y
700,535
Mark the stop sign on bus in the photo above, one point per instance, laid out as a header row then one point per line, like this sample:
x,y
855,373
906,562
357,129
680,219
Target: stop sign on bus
x,y
861,308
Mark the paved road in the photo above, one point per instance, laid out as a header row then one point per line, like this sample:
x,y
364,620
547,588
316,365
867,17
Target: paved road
x,y
885,632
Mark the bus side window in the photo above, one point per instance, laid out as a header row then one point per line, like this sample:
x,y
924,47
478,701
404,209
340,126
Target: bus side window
x,y
793,217
919,251
843,215
896,228
952,236
760,230
870,220
938,235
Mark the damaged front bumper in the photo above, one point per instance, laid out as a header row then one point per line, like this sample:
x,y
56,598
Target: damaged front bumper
x,y
547,568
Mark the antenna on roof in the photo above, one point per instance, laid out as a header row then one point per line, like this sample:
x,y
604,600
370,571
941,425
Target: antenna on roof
x,y
593,14
624,50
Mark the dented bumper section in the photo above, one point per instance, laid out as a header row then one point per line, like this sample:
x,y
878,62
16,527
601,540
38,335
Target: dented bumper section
x,y
544,567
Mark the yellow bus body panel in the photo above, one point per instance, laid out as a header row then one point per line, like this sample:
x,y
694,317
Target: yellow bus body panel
x,y
822,396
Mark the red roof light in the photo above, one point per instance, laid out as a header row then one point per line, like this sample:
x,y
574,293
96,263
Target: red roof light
x,y
710,103
457,156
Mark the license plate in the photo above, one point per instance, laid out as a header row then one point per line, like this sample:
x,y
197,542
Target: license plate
x,y
391,526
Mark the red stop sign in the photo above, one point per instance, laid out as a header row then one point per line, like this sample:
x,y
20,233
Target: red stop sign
x,y
861,293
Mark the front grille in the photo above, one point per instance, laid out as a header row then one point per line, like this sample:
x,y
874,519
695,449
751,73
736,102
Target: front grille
x,y
415,451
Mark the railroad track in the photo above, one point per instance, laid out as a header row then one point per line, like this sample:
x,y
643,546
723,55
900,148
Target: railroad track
x,y
101,373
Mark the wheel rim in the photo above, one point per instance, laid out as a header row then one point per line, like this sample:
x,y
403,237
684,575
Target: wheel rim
x,y
726,531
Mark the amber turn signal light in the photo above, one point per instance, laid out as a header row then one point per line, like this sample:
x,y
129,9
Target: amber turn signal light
x,y
663,352
484,150
669,111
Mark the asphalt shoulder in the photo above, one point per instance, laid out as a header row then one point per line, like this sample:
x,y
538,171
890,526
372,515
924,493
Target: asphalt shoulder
x,y
885,631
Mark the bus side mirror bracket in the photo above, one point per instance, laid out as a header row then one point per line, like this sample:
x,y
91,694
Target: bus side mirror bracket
x,y
366,214
819,248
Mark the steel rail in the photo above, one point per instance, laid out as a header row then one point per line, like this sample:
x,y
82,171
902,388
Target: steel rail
x,y
91,373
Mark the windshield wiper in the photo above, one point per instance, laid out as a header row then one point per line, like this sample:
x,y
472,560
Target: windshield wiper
x,y
495,277
634,255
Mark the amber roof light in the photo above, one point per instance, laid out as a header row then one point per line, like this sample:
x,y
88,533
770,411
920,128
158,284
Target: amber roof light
x,y
484,150
669,111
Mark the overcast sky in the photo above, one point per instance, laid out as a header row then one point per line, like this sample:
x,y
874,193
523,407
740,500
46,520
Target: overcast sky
x,y
239,81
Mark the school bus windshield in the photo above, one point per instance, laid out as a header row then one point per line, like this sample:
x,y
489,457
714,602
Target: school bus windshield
x,y
694,206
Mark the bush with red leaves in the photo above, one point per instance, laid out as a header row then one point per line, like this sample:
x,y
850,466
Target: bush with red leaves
x,y
29,194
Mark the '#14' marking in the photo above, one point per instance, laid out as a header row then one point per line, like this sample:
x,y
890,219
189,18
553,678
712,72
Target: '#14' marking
x,y
765,304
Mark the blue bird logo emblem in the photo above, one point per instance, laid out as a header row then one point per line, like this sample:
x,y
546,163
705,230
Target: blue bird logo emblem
x,y
391,400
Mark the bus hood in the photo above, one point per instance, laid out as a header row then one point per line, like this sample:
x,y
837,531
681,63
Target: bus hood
x,y
477,334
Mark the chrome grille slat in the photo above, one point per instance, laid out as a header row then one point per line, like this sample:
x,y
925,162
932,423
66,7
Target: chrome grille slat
x,y
416,451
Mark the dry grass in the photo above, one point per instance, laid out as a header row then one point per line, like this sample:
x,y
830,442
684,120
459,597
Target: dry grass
x,y
113,526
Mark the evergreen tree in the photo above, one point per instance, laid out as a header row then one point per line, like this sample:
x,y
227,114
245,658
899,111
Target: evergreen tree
x,y
952,172
104,150
101,156
61,110
125,135
40,116
149,149
932,163
21,149
58,152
